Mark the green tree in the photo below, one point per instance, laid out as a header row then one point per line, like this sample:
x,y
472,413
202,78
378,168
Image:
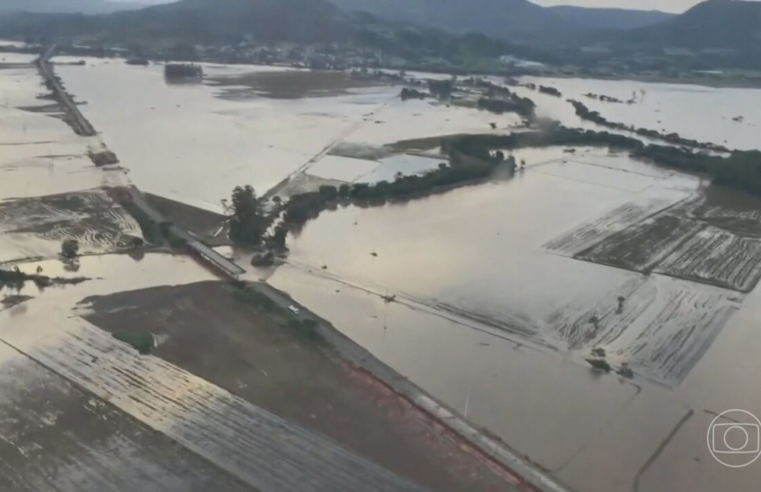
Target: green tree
x,y
246,224
442,89
70,249
329,193
279,237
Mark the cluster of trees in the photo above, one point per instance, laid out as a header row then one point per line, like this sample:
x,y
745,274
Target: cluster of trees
x,y
16,279
249,225
472,164
740,169
603,97
583,112
516,104
70,249
13,279
183,71
500,99
550,90
408,93
555,135
247,222
441,89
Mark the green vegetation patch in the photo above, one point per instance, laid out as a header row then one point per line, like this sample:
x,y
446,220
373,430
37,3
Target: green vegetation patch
x,y
140,341
740,169
306,329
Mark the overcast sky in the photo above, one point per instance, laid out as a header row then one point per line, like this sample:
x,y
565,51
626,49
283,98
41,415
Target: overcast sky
x,y
665,5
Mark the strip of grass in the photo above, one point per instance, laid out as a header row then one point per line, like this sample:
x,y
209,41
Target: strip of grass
x,y
141,341
306,329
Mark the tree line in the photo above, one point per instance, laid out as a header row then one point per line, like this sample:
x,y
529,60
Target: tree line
x,y
740,169
251,225
583,112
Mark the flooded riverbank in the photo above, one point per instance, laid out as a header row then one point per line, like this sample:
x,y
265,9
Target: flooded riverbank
x,y
168,136
701,113
484,296
483,286
66,346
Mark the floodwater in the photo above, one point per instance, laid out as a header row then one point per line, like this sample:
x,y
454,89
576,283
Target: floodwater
x,y
702,113
494,322
495,284
41,156
192,144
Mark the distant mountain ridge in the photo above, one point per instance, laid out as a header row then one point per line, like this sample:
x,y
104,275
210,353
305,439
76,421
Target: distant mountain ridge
x,y
196,21
66,6
505,18
497,18
601,18
729,24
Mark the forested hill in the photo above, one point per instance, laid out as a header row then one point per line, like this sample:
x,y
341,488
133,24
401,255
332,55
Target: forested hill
x,y
713,24
196,21
511,19
610,18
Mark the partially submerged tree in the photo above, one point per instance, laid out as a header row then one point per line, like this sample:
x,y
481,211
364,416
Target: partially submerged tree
x,y
626,371
442,89
70,249
279,237
246,224
329,193
621,300
600,364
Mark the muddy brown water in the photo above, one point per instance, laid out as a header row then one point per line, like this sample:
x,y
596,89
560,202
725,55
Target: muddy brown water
x,y
497,326
186,143
487,318
295,84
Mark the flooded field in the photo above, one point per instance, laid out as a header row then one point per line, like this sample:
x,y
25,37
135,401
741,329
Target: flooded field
x,y
37,226
508,287
53,195
701,113
259,137
47,181
490,297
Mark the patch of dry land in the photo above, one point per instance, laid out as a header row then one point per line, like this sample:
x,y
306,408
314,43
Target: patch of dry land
x,y
212,331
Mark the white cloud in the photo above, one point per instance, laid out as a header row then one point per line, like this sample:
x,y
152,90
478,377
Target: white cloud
x,y
664,5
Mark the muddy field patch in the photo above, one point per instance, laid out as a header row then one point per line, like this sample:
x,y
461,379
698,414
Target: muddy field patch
x,y
36,227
